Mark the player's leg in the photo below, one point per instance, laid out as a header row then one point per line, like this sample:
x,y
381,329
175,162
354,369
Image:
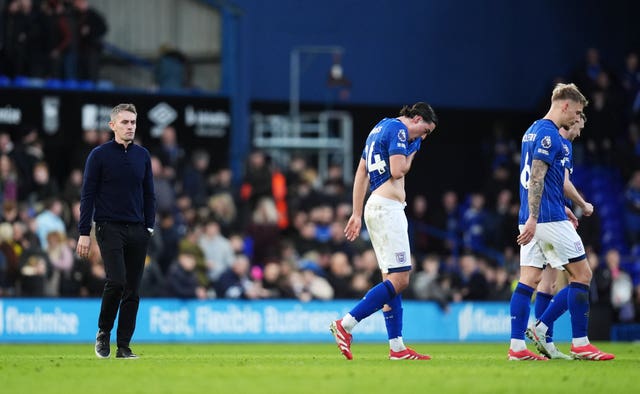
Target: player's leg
x,y
544,291
568,246
553,307
531,264
387,227
392,312
578,305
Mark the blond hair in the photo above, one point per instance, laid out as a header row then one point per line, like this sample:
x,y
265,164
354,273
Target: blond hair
x,y
570,91
122,107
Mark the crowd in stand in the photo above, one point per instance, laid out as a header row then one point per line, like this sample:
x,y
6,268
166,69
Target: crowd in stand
x,y
280,234
51,39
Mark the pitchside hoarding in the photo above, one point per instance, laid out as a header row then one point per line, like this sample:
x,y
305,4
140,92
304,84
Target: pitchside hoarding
x,y
169,320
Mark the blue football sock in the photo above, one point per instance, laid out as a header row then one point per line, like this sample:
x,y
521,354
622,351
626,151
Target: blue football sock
x,y
393,318
556,308
380,294
542,301
578,303
540,305
520,308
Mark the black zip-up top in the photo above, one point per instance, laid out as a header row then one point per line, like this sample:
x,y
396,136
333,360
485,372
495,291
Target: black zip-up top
x,y
111,190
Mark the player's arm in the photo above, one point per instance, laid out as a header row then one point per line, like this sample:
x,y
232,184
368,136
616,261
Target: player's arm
x,y
536,186
572,193
360,184
400,165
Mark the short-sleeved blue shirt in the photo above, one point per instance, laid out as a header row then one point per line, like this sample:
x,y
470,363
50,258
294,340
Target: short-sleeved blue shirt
x,y
389,137
542,141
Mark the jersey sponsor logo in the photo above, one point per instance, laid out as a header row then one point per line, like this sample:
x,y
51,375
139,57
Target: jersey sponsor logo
x,y
543,151
528,137
401,257
402,135
401,145
376,130
546,142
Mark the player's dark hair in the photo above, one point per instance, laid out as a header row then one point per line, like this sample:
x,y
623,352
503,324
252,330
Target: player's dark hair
x,y
422,109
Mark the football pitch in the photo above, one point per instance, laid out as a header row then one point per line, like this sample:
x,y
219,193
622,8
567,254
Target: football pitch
x,y
308,368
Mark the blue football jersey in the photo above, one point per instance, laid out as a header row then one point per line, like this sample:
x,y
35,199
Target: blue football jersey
x,y
567,162
542,141
389,137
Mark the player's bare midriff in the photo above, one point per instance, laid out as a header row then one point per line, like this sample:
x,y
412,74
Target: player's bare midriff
x,y
392,189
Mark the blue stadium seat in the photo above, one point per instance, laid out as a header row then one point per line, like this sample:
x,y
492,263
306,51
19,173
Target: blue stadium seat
x,y
53,83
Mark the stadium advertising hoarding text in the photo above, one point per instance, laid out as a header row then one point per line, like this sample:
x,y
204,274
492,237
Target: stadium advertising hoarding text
x,y
168,320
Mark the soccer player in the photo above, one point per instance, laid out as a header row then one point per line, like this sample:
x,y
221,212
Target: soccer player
x,y
546,234
545,303
387,156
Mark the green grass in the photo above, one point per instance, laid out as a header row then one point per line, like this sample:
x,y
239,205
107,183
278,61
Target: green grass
x,y
308,368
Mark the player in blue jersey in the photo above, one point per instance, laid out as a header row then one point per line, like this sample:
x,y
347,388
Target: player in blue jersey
x,y
546,234
387,156
546,304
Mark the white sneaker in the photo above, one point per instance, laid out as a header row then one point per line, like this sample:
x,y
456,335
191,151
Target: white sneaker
x,y
558,355
539,339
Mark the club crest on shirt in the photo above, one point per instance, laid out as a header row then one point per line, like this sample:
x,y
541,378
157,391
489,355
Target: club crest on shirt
x,y
402,135
546,142
401,257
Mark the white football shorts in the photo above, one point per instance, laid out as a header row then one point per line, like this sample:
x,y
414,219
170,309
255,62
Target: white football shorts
x,y
388,229
555,243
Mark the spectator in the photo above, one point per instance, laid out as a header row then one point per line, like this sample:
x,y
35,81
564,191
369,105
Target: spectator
x,y
43,186
274,283
194,177
621,288
172,71
10,253
447,219
223,209
154,283
165,191
473,284
427,284
418,221
73,185
264,231
235,282
8,179
49,220
340,275
64,39
218,253
632,207
59,281
182,281
310,284
170,152
474,223
91,28
35,268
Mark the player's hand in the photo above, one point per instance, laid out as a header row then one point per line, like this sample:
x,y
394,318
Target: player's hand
x,y
528,231
587,209
84,246
352,229
572,218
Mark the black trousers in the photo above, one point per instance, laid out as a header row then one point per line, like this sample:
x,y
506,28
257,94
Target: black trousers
x,y
123,248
